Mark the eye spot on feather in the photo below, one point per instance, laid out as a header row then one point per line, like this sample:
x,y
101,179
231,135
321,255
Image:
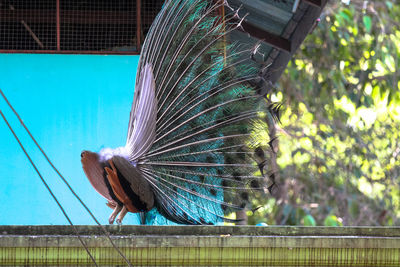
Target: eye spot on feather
x,y
208,105
223,207
243,130
209,159
241,155
259,152
193,124
272,177
213,192
213,90
218,121
245,196
272,188
226,112
255,184
202,178
237,177
229,160
261,166
191,94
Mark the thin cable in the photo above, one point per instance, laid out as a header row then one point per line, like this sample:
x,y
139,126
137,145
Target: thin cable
x,y
48,189
65,181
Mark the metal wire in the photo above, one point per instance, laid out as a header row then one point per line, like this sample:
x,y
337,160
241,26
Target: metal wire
x,y
62,178
48,188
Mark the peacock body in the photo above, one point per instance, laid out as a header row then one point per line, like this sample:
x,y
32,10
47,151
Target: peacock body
x,y
190,152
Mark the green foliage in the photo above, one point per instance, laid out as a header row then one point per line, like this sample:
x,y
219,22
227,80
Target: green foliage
x,y
340,141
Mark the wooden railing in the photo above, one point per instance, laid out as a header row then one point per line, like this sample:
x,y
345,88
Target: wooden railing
x,y
201,246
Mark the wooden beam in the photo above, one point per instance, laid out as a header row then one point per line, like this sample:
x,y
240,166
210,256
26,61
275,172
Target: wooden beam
x,y
53,245
268,37
26,26
317,3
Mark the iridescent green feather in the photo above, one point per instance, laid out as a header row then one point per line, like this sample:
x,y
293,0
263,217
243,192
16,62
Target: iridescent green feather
x,y
200,166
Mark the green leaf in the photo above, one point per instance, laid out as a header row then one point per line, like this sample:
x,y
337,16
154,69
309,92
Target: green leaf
x,y
357,172
346,14
367,22
354,208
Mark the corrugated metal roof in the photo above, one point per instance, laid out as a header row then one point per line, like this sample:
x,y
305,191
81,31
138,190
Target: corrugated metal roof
x,y
269,15
282,25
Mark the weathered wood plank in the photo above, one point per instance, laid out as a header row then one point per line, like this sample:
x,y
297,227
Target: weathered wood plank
x,y
202,246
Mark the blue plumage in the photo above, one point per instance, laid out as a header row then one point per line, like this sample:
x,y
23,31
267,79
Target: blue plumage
x,y
190,154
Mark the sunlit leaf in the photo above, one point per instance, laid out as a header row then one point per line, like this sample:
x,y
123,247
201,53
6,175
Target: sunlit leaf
x,y
339,144
367,22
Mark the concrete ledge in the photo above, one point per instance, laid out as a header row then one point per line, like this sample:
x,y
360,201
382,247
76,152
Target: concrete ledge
x,y
201,246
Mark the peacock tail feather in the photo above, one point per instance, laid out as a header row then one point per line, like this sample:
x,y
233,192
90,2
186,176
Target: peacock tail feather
x,y
201,160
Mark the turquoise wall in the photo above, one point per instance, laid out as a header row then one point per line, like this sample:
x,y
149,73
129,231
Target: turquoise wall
x,y
70,103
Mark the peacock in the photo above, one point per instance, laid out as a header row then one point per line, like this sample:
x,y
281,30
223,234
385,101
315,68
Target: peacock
x,y
191,154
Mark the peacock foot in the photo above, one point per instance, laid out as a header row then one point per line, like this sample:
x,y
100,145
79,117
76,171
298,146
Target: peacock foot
x,y
114,214
122,214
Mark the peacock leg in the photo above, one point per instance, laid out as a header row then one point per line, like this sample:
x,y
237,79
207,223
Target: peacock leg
x,y
112,177
122,214
114,214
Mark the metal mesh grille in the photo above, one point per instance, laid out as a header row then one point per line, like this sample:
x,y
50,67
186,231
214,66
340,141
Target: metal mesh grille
x,y
28,25
149,10
98,25
59,26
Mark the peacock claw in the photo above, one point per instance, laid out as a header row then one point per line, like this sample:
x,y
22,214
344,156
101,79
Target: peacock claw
x,y
121,215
